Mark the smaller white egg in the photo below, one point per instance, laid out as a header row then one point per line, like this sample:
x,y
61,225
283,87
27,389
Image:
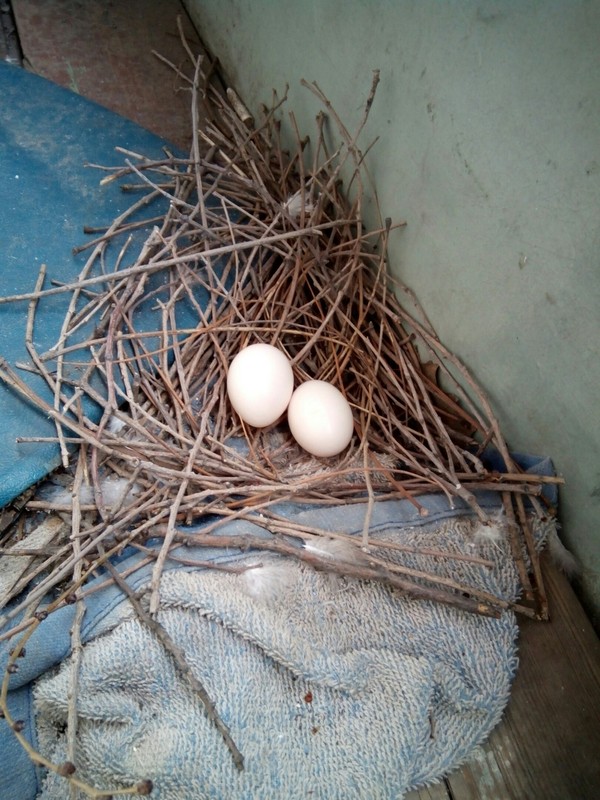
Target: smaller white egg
x,y
260,383
320,418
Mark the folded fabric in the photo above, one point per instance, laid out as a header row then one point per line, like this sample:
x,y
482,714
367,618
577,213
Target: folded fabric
x,y
332,687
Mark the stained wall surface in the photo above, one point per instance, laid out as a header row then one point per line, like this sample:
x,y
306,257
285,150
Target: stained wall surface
x,y
488,115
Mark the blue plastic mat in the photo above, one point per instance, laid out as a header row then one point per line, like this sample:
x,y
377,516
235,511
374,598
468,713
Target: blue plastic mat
x,y
47,194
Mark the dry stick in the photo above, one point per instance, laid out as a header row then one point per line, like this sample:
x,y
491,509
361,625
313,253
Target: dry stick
x,y
182,204
63,335
158,567
441,580
12,380
515,544
515,488
290,528
55,384
517,477
92,309
142,412
430,341
154,266
124,373
541,599
66,568
88,592
371,498
37,551
127,298
450,480
76,644
46,505
196,141
109,233
51,531
348,138
190,562
437,347
182,665
53,559
423,512
358,156
360,571
432,416
178,401
34,356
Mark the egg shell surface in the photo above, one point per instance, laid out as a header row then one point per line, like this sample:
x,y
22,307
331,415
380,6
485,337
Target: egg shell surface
x,y
320,418
260,383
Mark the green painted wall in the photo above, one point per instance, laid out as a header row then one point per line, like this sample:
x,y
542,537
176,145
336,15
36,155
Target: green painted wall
x,y
489,118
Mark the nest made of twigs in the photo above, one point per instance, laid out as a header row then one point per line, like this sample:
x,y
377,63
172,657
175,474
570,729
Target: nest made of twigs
x,y
259,245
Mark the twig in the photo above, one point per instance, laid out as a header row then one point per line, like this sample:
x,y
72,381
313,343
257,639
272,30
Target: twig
x,y
76,644
182,665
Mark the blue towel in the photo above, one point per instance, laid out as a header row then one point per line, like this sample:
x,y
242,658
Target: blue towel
x,y
399,691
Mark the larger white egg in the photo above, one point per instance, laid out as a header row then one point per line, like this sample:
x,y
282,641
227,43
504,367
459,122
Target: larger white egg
x,y
320,418
260,383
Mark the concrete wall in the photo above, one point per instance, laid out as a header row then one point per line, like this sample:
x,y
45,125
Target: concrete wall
x,y
489,118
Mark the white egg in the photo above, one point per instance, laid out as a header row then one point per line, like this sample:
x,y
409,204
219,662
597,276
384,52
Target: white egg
x,y
260,383
320,418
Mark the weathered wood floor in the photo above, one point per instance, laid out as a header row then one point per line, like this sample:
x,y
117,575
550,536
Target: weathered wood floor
x,y
548,744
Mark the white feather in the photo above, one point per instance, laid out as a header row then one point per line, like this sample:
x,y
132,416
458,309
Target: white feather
x,y
114,424
269,582
294,204
491,533
488,534
55,494
562,558
116,491
335,549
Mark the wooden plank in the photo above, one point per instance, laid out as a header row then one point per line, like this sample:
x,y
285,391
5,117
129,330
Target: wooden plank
x,y
437,791
480,778
12,566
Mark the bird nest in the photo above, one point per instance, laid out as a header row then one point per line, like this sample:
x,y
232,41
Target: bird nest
x,y
256,244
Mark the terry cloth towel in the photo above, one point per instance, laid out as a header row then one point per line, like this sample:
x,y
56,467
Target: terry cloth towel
x,y
333,689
